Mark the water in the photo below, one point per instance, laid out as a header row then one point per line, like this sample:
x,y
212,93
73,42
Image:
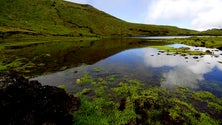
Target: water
x,y
150,66
163,37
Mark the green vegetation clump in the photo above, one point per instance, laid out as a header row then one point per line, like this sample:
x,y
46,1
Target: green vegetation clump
x,y
181,51
131,102
61,86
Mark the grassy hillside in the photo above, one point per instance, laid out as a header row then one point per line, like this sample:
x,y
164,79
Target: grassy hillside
x,y
215,32
58,17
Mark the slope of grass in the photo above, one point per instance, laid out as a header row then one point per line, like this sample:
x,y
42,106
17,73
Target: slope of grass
x,y
209,42
215,32
58,17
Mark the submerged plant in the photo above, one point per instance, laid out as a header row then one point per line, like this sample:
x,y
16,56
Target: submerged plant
x,y
130,102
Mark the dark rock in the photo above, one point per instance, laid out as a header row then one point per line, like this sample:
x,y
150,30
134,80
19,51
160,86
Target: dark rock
x,y
161,51
220,48
195,57
208,51
29,103
122,104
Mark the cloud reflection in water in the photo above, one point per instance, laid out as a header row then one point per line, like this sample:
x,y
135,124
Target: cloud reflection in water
x,y
185,71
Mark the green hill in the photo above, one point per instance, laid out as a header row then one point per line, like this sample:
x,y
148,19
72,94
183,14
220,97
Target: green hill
x,y
215,32
58,17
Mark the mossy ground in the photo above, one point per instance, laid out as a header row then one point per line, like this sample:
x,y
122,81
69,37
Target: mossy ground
x,y
121,103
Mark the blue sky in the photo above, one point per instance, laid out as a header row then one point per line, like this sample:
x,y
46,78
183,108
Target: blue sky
x,y
192,14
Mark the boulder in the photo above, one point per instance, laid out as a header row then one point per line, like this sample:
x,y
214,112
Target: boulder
x,y
24,102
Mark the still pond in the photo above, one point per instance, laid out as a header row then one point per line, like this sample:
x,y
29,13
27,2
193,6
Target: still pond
x,y
136,59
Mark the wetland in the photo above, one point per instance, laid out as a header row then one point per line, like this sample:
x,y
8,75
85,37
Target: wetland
x,y
134,77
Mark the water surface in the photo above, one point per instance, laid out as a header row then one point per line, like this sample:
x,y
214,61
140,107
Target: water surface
x,y
152,67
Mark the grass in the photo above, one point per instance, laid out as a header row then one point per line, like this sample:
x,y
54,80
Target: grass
x,y
215,32
209,42
58,17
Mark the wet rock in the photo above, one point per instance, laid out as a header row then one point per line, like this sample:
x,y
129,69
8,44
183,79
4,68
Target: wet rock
x,y
183,54
26,102
169,54
220,48
208,51
195,57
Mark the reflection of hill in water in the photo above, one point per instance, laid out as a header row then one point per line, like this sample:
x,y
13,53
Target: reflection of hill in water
x,y
55,56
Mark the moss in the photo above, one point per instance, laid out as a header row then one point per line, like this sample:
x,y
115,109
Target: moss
x,y
61,86
205,119
215,106
142,105
96,69
203,95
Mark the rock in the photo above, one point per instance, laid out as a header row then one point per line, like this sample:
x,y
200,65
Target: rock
x,y
26,102
122,104
78,81
220,48
195,57
208,51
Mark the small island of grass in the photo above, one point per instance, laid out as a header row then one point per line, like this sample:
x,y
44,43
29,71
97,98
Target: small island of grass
x,y
181,51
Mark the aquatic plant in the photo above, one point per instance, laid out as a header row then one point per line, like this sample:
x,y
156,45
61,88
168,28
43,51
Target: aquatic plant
x,y
130,102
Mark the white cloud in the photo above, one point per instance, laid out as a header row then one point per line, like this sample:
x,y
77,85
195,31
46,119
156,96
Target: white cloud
x,y
79,1
197,14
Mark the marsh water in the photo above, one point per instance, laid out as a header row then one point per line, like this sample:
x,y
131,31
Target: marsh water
x,y
123,59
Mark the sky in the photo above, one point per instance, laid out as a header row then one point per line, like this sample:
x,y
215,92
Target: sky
x,y
192,14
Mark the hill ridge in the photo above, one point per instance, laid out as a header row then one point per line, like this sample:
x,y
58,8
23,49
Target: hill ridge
x,y
58,17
